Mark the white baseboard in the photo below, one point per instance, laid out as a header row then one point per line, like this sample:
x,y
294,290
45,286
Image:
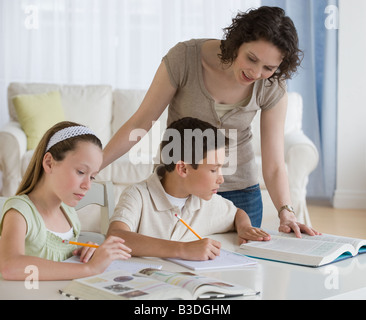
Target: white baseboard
x,y
349,199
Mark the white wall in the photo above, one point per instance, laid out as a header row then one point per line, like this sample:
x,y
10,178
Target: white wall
x,y
351,166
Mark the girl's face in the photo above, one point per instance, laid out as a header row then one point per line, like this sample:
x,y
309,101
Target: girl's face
x,y
256,60
71,178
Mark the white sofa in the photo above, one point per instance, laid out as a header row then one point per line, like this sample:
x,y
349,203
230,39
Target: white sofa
x,y
105,109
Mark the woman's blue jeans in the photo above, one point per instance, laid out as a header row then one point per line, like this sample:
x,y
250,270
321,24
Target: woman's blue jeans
x,y
250,200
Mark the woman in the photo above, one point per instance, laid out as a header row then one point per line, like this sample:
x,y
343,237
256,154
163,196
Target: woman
x,y
225,83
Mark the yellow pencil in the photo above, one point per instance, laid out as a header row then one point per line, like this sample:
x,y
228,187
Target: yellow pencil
x,y
81,244
187,225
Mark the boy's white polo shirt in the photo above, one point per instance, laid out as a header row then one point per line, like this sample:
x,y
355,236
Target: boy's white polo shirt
x,y
145,208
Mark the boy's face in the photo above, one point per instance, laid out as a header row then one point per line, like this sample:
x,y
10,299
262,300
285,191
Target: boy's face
x,y
206,179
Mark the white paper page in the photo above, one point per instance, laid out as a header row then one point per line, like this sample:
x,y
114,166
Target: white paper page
x,y
127,265
326,237
297,246
226,259
338,239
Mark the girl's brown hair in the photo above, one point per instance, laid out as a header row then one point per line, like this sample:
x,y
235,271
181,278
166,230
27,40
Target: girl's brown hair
x,y
265,23
35,171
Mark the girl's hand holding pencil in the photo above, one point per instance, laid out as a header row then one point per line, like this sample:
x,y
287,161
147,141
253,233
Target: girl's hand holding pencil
x,y
100,257
85,251
88,244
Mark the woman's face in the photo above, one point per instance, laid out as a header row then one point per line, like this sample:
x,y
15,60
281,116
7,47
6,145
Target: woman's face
x,y
256,60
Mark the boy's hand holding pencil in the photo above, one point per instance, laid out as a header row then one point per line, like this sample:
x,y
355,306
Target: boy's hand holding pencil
x,y
204,249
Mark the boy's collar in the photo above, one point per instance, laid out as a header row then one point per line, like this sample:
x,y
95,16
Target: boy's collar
x,y
158,196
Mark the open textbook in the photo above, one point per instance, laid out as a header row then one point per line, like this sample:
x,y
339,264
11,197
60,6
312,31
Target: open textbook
x,y
311,251
152,284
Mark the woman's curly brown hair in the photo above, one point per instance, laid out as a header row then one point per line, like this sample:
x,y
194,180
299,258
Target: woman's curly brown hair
x,y
266,23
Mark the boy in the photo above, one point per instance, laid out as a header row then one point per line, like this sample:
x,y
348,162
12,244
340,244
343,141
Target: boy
x,y
192,153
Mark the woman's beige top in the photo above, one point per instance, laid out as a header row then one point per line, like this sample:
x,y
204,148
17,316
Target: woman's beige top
x,y
192,99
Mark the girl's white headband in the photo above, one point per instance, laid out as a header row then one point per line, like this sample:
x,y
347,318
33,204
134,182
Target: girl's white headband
x,y
68,133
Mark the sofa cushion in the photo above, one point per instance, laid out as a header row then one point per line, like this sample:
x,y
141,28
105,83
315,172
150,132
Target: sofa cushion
x,y
126,102
90,105
37,113
293,121
125,172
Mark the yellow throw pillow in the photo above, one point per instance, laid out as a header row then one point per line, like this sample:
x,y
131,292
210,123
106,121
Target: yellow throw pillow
x,y
37,113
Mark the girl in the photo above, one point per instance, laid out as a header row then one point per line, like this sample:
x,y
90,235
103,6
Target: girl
x,y
41,215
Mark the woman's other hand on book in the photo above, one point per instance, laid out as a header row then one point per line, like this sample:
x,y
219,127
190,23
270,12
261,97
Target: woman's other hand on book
x,y
289,224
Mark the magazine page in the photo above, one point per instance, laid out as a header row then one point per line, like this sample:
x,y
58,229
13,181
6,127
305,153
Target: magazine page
x,y
187,280
123,285
196,284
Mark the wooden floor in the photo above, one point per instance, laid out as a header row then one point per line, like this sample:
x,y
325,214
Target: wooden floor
x,y
342,222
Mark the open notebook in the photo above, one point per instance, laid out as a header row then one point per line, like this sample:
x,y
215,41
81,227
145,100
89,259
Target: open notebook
x,y
127,265
225,260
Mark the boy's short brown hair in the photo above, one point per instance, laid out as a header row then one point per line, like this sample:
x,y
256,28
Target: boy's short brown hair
x,y
189,139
